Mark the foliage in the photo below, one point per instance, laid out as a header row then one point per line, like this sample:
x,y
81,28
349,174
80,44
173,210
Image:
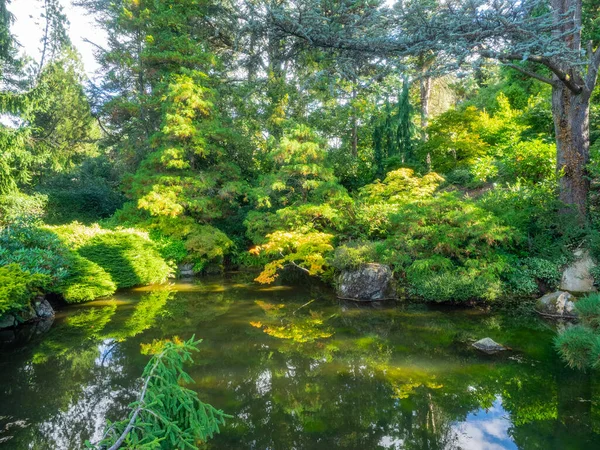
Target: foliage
x,y
130,259
85,194
579,345
18,288
306,250
35,250
86,281
166,414
354,255
20,207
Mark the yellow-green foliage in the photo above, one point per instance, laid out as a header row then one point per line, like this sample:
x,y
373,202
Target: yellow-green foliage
x,y
379,200
127,255
442,246
130,259
207,245
86,281
306,250
447,248
181,239
18,287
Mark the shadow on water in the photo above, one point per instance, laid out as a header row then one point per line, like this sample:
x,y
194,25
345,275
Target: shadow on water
x,y
299,369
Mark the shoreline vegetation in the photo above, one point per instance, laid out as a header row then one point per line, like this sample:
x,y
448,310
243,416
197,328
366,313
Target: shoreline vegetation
x,y
318,139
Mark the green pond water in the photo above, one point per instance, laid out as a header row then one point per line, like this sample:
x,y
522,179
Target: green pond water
x,y
299,370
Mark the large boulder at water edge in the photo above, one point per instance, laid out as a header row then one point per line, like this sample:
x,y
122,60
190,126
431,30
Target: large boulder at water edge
x,y
557,304
488,346
577,276
371,282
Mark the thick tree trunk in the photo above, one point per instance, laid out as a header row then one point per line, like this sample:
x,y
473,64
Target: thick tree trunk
x,y
572,126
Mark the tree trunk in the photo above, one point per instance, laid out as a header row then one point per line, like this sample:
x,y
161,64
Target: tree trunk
x,y
425,91
572,125
354,125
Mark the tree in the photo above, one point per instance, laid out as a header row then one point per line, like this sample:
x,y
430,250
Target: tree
x,y
560,35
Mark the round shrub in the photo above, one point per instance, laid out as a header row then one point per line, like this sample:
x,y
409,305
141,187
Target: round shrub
x,y
86,281
18,287
130,259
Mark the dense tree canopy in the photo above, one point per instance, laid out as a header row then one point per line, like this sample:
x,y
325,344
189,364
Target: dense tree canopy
x,y
456,142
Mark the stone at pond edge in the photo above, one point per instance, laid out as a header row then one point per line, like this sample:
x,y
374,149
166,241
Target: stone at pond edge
x,y
39,309
43,309
557,304
488,346
186,270
371,282
577,276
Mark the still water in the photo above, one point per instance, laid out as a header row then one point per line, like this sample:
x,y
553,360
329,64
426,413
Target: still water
x,y
299,370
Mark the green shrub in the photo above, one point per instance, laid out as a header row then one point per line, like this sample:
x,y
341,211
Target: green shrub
x,y
35,250
447,248
354,255
533,161
86,194
208,246
578,347
130,259
588,309
18,287
19,207
86,281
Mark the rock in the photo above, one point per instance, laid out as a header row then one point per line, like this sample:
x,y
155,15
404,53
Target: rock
x,y
27,315
557,304
186,270
369,283
488,346
576,276
7,321
43,309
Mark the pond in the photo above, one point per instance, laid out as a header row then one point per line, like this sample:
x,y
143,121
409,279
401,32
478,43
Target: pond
x,y
299,370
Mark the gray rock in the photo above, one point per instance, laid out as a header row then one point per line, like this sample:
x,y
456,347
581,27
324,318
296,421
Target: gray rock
x,y
576,276
369,283
7,321
186,270
557,304
43,309
488,346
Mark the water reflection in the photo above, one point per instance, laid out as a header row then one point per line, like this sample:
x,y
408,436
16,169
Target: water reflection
x,y
299,370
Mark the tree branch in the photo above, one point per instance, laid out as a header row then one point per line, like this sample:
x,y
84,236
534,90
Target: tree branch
x,y
563,76
541,78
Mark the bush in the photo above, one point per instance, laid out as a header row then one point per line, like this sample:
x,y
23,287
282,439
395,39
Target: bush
x,y
578,347
208,246
86,281
18,288
19,207
130,259
354,255
35,250
86,194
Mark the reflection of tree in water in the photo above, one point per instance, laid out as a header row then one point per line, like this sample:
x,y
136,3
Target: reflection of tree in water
x,y
306,374
379,379
79,370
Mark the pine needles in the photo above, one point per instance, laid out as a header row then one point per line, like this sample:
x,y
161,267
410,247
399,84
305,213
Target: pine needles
x,y
166,415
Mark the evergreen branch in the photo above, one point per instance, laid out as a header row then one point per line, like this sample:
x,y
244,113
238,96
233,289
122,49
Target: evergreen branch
x,y
531,74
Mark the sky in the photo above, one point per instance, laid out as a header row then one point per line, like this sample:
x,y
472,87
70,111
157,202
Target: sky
x,y
28,29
